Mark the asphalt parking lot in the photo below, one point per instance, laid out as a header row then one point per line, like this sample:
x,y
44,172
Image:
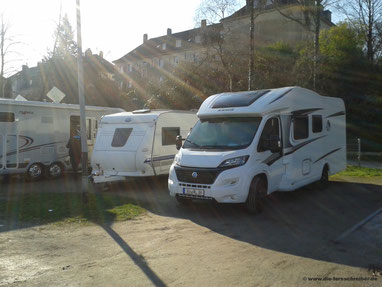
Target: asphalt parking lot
x,y
290,242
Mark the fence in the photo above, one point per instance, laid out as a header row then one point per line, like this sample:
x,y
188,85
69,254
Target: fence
x,y
353,148
356,156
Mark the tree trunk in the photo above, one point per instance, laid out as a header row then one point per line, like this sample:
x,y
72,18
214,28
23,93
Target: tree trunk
x,y
251,46
317,22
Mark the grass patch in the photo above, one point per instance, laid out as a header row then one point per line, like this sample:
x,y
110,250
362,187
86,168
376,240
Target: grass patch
x,y
42,208
356,171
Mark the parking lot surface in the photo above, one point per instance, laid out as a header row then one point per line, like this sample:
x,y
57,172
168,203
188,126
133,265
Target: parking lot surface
x,y
202,244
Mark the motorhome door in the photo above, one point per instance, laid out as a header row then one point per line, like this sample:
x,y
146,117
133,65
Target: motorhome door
x,y
9,150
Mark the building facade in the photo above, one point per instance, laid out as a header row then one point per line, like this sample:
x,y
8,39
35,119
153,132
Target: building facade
x,y
159,57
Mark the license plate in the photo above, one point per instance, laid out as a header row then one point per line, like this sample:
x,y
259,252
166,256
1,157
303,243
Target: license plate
x,y
193,191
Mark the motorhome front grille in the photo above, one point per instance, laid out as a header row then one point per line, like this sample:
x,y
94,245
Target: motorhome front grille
x,y
197,175
195,185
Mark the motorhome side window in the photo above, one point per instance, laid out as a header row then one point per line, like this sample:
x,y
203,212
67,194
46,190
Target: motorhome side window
x,y
271,128
169,135
300,127
6,117
317,123
120,137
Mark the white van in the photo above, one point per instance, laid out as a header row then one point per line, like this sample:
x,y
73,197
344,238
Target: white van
x,y
33,135
247,145
139,143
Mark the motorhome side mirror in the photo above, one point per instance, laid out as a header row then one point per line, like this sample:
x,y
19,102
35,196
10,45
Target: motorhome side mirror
x,y
178,142
274,144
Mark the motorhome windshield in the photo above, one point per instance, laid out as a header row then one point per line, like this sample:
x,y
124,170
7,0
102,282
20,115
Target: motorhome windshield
x,y
222,133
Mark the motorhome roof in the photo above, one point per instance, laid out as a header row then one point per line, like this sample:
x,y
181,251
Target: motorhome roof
x,y
11,102
261,102
130,117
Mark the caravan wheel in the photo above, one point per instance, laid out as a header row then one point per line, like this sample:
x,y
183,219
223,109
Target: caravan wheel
x,y
55,170
35,171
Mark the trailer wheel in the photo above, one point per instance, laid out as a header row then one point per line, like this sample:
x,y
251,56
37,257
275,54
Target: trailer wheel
x,y
55,170
35,171
257,189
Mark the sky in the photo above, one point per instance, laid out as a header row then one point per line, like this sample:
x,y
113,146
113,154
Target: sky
x,y
113,26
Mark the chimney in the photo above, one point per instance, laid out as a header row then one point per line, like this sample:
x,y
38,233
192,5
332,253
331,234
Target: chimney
x,y
88,52
100,54
145,38
327,15
203,23
169,32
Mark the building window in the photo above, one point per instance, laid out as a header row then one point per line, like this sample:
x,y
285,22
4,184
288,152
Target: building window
x,y
120,137
164,46
121,85
316,123
197,39
178,43
130,84
176,60
30,82
160,63
130,67
301,127
169,135
6,117
121,68
195,58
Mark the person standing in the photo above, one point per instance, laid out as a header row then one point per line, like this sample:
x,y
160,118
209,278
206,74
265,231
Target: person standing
x,y
74,146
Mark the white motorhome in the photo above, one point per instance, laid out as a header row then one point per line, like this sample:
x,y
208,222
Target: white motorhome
x,y
247,145
139,143
33,135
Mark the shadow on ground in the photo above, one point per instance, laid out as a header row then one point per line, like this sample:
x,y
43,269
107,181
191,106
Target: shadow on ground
x,y
301,223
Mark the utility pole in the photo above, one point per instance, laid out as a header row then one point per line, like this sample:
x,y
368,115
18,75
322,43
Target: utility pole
x,y
81,99
251,45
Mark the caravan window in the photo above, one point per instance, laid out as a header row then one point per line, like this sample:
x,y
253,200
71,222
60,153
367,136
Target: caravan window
x,y
317,123
169,135
7,117
301,127
120,137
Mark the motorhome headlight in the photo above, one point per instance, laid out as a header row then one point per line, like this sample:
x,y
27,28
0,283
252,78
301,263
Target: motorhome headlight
x,y
236,161
177,159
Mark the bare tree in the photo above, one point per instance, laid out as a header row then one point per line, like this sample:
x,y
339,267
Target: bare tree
x,y
309,15
366,17
7,42
215,10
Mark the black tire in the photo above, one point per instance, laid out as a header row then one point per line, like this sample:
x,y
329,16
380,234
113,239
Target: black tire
x,y
35,172
324,180
55,170
257,191
183,200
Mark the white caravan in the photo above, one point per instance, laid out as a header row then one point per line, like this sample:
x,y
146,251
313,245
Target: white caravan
x,y
139,143
249,144
33,135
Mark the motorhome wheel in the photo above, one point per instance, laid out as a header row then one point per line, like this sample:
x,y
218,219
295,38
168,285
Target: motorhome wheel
x,y
256,190
55,170
325,176
35,171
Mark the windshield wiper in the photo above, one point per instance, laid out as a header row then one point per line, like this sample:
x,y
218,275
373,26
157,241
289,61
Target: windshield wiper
x,y
191,142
